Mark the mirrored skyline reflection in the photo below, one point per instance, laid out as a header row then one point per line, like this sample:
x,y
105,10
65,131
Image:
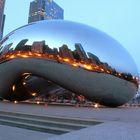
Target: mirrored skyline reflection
x,y
56,34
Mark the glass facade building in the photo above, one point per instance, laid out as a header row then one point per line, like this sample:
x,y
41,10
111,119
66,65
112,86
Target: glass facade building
x,y
2,17
44,10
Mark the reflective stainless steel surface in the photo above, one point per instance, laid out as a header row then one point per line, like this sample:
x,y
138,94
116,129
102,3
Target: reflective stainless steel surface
x,y
72,55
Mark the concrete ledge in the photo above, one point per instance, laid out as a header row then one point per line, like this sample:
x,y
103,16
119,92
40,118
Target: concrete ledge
x,y
106,131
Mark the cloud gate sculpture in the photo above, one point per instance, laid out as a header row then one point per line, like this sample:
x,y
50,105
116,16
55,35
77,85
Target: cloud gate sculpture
x,y
77,57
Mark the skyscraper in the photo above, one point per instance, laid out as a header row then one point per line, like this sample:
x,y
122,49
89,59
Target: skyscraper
x,y
44,9
2,17
65,52
81,52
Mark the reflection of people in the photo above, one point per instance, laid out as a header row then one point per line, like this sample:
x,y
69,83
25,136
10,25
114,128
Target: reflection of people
x,y
80,100
46,104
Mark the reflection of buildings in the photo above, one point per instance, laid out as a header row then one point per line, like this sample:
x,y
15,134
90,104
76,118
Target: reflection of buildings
x,y
48,50
93,58
44,9
38,46
7,49
80,52
21,45
2,17
65,52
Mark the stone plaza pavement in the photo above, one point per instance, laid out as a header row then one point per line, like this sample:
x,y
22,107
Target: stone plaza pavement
x,y
13,133
119,123
105,131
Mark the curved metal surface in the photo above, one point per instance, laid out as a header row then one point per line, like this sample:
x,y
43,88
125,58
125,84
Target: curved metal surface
x,y
72,55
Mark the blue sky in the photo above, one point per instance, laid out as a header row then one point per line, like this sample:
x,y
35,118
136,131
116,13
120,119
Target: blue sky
x,y
118,18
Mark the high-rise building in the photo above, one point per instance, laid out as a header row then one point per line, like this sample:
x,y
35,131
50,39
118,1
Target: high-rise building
x,y
44,10
21,45
93,58
2,17
38,46
81,52
65,52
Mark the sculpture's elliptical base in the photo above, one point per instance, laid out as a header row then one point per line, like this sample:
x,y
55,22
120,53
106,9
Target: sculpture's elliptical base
x,y
89,84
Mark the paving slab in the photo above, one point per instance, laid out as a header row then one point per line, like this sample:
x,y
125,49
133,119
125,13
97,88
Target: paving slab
x,y
121,114
13,133
121,123
105,131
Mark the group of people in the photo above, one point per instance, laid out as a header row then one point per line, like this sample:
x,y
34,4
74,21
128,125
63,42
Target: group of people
x,y
72,99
